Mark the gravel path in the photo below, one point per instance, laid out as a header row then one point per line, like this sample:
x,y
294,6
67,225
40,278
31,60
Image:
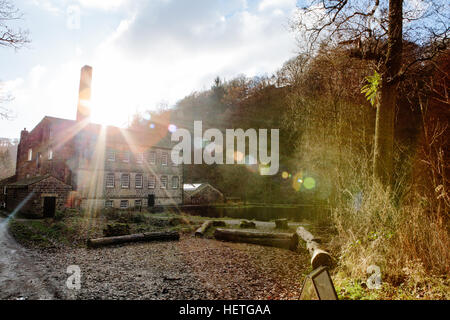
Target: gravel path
x,y
20,278
191,268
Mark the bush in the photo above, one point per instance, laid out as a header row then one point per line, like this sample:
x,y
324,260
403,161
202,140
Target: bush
x,y
116,229
110,214
178,220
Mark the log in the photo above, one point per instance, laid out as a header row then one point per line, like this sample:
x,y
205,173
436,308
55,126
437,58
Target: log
x,y
247,224
279,240
147,236
200,232
281,224
219,223
319,257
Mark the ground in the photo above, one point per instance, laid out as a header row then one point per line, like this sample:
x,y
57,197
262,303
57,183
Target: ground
x,y
20,277
191,268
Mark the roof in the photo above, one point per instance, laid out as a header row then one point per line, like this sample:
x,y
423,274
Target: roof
x,y
8,180
157,136
30,181
194,188
191,186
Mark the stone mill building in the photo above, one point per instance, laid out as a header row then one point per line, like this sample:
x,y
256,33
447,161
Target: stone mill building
x,y
80,164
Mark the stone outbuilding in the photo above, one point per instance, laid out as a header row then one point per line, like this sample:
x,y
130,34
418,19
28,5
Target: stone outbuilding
x,y
38,196
201,193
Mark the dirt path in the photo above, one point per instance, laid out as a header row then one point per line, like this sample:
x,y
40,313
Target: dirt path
x,y
191,268
19,276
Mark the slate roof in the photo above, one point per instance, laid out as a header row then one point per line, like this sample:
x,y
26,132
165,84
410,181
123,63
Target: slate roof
x,y
8,180
194,188
29,181
159,136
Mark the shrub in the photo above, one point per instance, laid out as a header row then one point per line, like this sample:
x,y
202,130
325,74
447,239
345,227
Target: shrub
x,y
116,229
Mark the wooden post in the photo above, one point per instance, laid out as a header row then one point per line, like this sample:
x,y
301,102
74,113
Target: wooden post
x,y
319,257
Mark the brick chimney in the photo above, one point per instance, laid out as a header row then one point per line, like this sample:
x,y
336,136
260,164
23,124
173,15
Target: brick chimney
x,y
84,94
23,134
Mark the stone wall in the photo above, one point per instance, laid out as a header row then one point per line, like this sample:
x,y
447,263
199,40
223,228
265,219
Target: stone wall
x,y
163,197
205,196
52,187
46,136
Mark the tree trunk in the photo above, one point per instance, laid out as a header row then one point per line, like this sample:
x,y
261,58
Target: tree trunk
x,y
319,257
279,240
384,127
200,232
147,236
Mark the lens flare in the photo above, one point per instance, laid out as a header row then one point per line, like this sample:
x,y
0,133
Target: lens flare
x,y
172,128
238,156
285,175
263,170
297,181
309,183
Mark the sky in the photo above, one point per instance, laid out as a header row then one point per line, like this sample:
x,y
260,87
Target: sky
x,y
143,53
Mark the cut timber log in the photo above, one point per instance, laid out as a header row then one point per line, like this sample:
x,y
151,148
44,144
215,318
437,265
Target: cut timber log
x,y
279,240
200,232
319,257
147,236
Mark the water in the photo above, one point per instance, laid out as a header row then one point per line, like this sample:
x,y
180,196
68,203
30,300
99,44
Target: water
x,y
260,212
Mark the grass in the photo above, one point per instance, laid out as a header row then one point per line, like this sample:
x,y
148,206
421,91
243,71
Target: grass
x,y
409,245
73,227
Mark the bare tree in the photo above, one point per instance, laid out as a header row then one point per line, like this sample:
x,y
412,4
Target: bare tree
x,y
378,30
13,38
9,36
5,97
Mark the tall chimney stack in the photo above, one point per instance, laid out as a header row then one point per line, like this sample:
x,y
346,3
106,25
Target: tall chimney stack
x,y
84,94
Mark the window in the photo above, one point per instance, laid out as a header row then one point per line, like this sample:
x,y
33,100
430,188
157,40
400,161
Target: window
x,y
50,154
30,154
109,204
152,157
163,182
110,155
164,159
38,160
125,180
151,182
138,203
139,157
173,162
110,180
175,182
123,204
126,156
138,181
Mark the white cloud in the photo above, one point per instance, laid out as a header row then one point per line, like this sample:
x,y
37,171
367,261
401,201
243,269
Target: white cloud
x,y
169,49
48,5
276,4
160,50
103,4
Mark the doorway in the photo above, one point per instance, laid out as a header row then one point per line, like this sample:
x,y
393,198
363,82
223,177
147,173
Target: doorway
x,y
49,207
151,200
